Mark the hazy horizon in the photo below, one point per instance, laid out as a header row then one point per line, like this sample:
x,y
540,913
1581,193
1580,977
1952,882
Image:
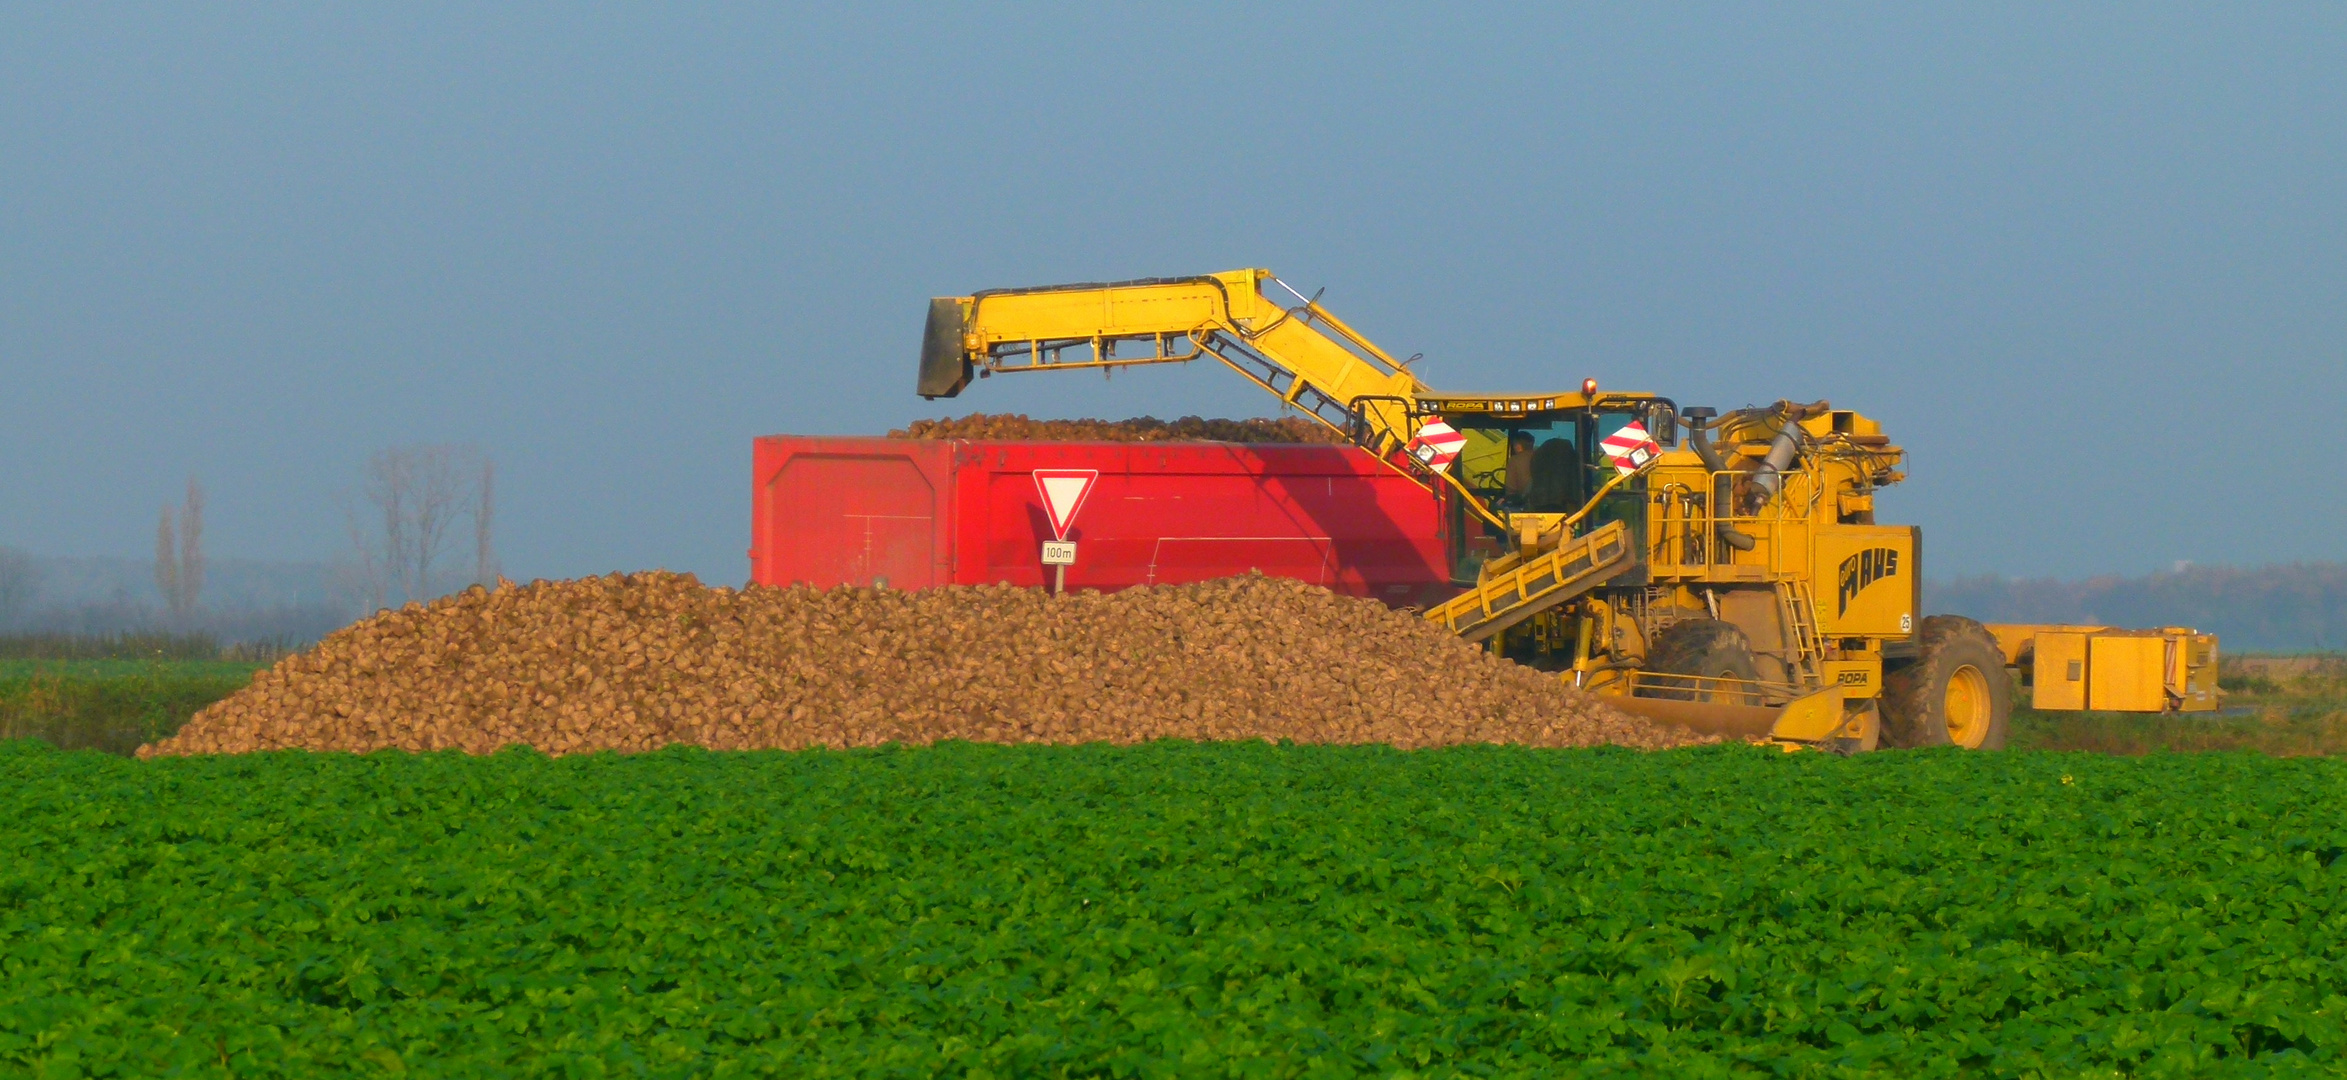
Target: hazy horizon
x,y
2088,265
2288,608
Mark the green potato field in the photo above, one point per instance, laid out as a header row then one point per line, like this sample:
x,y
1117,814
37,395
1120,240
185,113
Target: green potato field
x,y
1172,909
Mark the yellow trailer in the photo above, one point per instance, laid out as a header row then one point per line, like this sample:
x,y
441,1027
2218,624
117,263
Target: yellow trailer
x,y
2107,669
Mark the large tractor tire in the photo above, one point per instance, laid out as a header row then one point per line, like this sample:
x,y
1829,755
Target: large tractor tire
x,y
1954,693
1708,648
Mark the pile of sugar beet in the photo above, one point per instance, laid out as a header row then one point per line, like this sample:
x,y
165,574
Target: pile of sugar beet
x,y
640,661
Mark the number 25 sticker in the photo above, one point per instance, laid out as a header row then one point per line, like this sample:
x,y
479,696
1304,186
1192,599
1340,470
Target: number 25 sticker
x,y
1907,624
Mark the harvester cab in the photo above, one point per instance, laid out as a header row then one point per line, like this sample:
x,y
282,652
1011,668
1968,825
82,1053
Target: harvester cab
x,y
1723,571
1527,464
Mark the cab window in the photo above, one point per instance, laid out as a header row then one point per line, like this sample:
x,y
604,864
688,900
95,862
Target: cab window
x,y
1541,465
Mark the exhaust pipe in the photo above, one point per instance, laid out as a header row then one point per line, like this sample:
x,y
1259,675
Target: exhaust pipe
x,y
1781,453
1699,439
1787,445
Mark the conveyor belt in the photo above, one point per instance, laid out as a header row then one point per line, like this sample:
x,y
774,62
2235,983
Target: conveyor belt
x,y
1575,567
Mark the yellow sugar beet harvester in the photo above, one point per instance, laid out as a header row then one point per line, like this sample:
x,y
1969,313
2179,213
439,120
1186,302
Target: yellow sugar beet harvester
x,y
1734,581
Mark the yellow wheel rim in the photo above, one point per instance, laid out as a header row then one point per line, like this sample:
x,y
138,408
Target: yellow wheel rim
x,y
1728,689
1967,707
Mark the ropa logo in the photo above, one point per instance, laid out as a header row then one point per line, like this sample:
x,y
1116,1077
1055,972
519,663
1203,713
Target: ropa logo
x,y
1864,569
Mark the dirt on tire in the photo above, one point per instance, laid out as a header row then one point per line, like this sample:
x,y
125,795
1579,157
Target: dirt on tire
x,y
642,661
1914,710
1705,649
1016,427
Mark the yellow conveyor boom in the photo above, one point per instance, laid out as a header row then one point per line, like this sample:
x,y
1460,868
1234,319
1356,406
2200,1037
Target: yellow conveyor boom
x,y
1307,357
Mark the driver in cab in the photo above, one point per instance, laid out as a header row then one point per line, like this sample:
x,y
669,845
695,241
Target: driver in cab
x,y
1519,481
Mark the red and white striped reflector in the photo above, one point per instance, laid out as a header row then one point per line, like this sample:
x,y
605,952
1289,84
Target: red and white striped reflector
x,y
1630,448
1437,444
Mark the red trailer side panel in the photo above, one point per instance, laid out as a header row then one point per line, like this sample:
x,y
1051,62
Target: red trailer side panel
x,y
917,512
852,511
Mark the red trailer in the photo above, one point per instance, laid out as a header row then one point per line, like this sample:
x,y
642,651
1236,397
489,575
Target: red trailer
x,y
910,513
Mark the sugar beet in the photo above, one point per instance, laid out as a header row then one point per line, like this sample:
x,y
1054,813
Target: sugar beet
x,y
640,661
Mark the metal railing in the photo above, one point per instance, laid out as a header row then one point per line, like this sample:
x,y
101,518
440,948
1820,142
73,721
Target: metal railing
x,y
1687,539
1716,689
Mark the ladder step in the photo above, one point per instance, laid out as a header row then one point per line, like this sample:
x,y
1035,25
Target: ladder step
x,y
1800,615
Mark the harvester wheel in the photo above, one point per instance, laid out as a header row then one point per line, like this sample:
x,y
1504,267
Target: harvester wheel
x,y
1954,693
1707,648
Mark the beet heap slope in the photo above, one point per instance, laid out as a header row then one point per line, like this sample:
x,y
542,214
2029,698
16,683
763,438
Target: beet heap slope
x,y
641,661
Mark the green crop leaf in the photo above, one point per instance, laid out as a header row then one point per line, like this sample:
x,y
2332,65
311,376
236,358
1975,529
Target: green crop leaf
x,y
1172,909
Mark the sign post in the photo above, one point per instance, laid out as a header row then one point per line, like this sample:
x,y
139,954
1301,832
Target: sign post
x,y
1063,492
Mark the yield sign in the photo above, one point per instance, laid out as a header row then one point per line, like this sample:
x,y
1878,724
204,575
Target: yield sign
x,y
1063,494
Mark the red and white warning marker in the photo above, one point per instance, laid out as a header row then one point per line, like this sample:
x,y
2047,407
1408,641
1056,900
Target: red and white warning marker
x,y
1437,444
1630,448
1063,492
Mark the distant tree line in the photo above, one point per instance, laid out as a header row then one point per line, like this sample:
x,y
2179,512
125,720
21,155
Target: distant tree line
x,y
2292,607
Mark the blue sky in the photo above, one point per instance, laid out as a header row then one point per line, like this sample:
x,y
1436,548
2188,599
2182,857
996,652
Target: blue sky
x,y
2089,264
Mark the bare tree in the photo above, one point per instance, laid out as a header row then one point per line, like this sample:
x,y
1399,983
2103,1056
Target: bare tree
x,y
419,494
191,548
484,513
19,580
167,561
179,555
372,583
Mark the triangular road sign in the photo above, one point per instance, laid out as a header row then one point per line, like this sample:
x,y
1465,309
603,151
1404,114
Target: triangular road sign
x,y
1063,495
